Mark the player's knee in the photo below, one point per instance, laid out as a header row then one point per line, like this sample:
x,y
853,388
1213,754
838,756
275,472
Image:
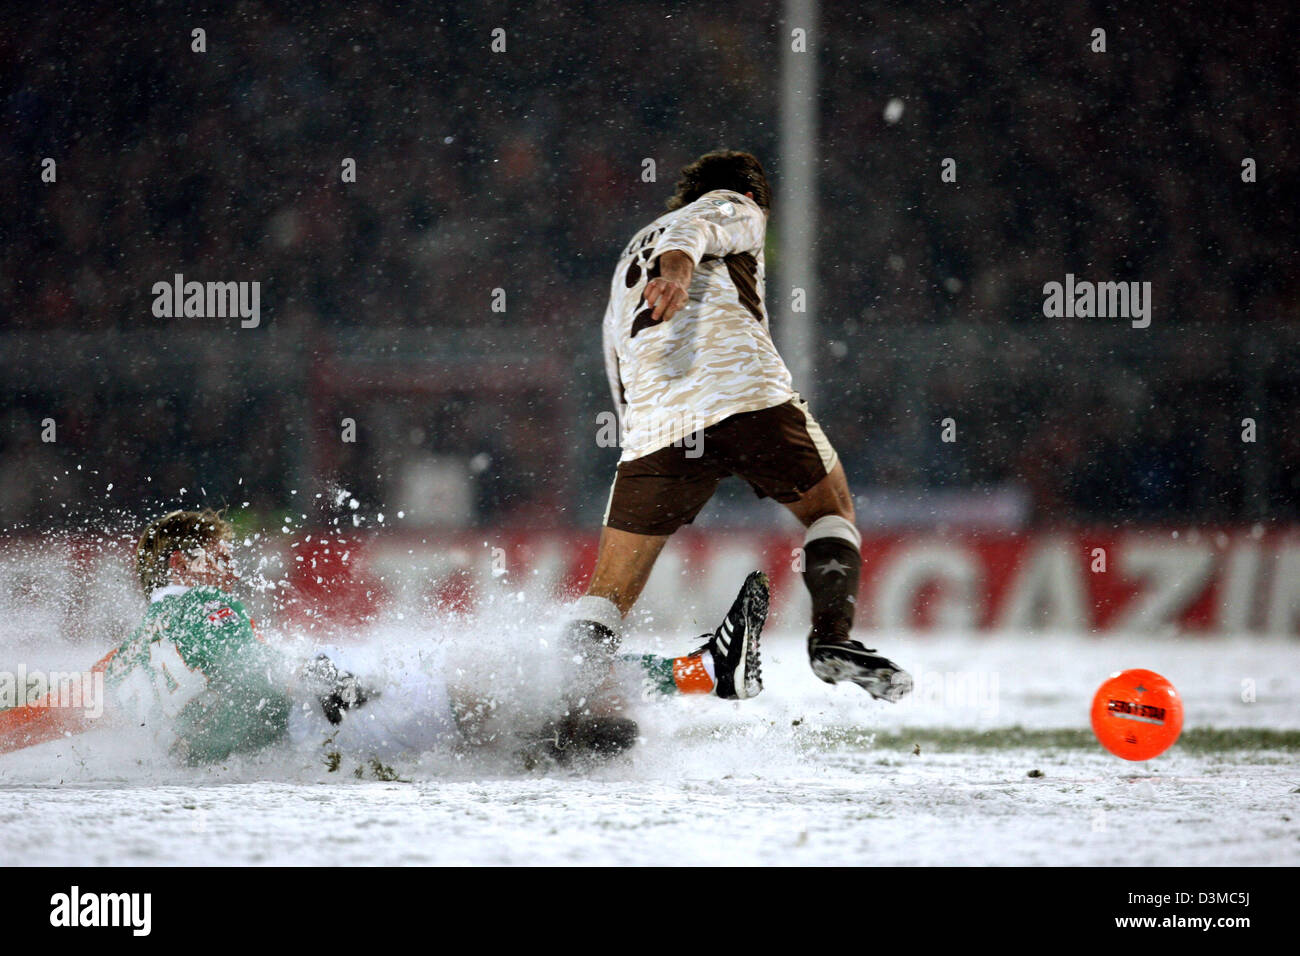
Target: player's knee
x,y
824,502
824,510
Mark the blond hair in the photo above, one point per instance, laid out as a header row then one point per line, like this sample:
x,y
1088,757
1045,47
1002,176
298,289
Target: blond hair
x,y
177,531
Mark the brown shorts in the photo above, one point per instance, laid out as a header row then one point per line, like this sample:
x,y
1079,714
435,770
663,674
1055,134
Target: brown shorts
x,y
780,451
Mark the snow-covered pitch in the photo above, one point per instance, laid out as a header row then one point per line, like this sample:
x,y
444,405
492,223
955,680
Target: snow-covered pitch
x,y
805,774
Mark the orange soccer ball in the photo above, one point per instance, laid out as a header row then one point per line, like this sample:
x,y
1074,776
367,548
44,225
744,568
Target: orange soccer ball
x,y
1137,714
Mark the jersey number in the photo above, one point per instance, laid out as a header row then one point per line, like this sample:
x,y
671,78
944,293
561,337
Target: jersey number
x,y
641,253
166,683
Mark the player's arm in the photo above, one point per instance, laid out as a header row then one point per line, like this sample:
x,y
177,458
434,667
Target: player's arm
x,y
29,724
668,292
720,223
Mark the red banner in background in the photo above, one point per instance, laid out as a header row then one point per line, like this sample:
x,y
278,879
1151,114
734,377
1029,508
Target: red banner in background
x,y
1199,581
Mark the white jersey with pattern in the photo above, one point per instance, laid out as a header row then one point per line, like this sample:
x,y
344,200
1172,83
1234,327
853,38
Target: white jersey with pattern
x,y
715,358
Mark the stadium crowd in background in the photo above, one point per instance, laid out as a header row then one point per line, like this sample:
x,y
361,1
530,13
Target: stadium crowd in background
x,y
522,170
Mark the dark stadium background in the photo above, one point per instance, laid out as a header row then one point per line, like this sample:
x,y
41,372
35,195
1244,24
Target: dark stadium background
x,y
1099,511
522,171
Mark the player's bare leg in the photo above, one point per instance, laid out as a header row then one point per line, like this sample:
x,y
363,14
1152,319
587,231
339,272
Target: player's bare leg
x,y
832,567
830,496
623,564
595,721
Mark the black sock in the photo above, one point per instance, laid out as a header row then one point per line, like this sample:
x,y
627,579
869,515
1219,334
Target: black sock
x,y
831,570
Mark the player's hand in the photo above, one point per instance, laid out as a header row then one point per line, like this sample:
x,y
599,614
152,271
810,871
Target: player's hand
x,y
665,297
668,292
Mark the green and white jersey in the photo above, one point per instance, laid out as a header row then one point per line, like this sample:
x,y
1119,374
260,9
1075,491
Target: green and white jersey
x,y
198,674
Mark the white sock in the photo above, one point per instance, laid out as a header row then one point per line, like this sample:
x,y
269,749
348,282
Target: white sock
x,y
833,526
710,667
601,610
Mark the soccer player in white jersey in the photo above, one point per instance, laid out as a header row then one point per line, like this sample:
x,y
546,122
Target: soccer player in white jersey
x,y
702,394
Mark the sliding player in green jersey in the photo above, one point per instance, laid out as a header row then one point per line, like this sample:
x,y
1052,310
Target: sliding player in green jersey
x,y
197,672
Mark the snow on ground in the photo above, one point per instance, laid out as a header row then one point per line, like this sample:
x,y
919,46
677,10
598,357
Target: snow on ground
x,y
806,774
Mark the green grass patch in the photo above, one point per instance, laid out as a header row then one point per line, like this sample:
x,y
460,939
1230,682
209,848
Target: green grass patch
x,y
1198,740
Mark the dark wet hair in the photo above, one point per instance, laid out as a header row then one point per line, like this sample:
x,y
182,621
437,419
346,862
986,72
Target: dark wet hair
x,y
722,169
